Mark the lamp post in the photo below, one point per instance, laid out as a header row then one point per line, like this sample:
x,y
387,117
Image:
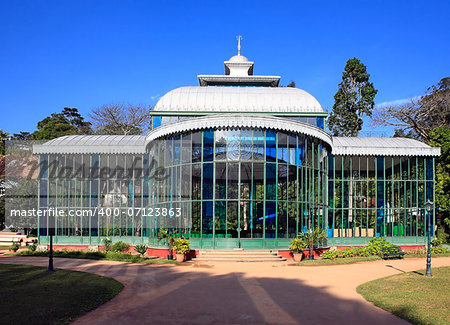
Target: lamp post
x,y
50,252
428,209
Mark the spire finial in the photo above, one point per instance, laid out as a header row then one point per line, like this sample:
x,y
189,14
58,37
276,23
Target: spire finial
x,y
239,37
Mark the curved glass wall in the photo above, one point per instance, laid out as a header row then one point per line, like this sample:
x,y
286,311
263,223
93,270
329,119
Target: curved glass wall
x,y
238,184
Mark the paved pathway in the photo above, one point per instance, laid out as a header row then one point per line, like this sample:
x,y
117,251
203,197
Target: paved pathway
x,y
238,293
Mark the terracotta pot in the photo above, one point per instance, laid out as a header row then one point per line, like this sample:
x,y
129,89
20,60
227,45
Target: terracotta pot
x,y
298,257
180,258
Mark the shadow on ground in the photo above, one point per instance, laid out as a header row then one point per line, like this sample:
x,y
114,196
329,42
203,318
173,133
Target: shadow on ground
x,y
190,295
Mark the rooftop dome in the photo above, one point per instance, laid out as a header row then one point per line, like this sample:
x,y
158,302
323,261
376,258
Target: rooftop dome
x,y
238,58
239,99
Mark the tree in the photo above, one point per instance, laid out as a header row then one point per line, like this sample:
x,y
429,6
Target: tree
x,y
3,136
440,137
419,116
354,99
291,84
22,136
121,119
68,122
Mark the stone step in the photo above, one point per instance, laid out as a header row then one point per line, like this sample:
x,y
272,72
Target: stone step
x,y
243,253
238,255
196,260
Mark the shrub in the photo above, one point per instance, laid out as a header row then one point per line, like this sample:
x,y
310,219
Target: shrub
x,y
181,246
372,248
297,245
436,242
314,237
376,243
32,247
329,255
141,249
119,256
120,247
14,247
439,250
442,235
108,243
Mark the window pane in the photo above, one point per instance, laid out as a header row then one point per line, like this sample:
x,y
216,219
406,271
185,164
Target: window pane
x,y
232,189
282,147
246,144
232,220
258,218
221,219
245,219
176,150
258,181
207,181
258,145
207,218
246,180
270,219
187,149
196,181
282,182
208,145
233,144
271,181
282,220
197,147
221,144
271,145
221,181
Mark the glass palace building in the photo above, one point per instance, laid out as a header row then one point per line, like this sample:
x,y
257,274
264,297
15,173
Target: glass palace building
x,y
237,161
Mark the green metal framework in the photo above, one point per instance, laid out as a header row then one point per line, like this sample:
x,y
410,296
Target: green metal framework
x,y
263,211
379,196
235,188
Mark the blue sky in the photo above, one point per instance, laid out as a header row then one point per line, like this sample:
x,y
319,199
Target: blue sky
x,y
88,53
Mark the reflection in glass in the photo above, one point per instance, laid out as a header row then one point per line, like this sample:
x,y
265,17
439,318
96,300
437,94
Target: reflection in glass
x,y
232,219
233,173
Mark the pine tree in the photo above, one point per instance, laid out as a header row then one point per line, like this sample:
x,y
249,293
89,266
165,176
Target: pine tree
x,y
354,99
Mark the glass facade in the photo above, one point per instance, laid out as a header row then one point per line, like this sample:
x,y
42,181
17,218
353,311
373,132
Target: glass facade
x,y
241,184
226,188
379,196
233,185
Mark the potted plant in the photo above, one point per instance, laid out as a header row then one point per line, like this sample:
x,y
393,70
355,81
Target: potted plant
x,y
164,234
141,249
14,247
181,247
108,243
297,247
312,238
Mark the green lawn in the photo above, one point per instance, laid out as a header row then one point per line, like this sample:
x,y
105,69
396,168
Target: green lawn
x,y
110,256
32,295
412,296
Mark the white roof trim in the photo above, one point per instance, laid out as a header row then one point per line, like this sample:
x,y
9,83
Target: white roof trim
x,y
238,99
367,146
239,121
93,144
205,80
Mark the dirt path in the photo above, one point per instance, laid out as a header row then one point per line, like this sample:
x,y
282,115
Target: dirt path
x,y
239,293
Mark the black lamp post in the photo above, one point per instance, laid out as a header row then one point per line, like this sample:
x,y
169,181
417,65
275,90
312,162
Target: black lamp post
x,y
428,208
50,252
